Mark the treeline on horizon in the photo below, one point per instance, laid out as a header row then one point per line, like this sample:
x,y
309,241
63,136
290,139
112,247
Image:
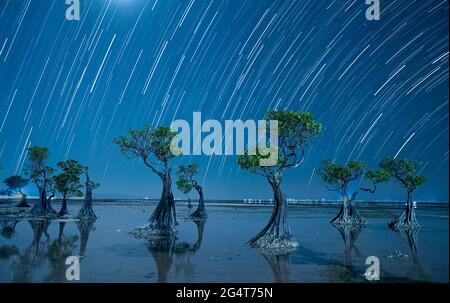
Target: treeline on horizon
x,y
152,145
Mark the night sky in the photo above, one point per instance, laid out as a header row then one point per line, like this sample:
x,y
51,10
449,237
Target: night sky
x,y
379,87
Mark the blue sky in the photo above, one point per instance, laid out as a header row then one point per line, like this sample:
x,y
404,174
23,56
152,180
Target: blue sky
x,y
379,87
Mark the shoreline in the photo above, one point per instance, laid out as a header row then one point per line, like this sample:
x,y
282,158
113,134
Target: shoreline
x,y
236,203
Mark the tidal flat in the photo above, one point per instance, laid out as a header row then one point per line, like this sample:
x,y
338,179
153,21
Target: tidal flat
x,y
215,250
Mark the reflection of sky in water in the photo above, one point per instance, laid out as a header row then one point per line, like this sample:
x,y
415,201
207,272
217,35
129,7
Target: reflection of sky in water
x,y
221,253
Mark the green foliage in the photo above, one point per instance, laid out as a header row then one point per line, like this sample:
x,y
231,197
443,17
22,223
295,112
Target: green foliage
x,y
68,181
186,174
250,161
72,167
403,171
37,170
402,167
295,130
146,142
340,176
38,154
415,181
337,175
378,176
15,183
184,186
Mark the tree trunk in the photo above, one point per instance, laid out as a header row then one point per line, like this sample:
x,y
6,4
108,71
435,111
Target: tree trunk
x,y
174,211
39,208
86,212
348,214
189,202
200,213
23,201
276,235
63,211
162,220
48,206
407,219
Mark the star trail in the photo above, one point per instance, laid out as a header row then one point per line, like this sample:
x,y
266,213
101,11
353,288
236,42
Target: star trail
x,y
379,87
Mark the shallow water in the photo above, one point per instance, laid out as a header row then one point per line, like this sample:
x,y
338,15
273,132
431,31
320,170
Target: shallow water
x,y
35,251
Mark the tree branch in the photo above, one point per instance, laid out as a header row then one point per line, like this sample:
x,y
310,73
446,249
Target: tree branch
x,y
333,189
370,190
146,162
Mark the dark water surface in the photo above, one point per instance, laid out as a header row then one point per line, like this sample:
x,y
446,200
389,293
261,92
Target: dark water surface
x,y
216,251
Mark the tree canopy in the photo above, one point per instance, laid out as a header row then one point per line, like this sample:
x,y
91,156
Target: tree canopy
x,y
338,177
68,181
404,171
149,144
295,131
15,183
186,182
37,168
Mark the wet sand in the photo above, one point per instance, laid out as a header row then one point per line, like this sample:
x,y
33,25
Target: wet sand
x,y
216,251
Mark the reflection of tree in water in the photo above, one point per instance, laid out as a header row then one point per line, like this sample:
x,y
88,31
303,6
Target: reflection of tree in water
x,y
57,253
161,250
345,271
39,245
8,228
84,227
279,263
349,235
7,251
200,228
184,250
34,255
43,249
164,249
417,272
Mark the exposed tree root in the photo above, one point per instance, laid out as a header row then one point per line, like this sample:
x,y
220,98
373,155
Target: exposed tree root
x,y
151,232
86,213
348,215
276,235
199,214
23,202
406,220
278,244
